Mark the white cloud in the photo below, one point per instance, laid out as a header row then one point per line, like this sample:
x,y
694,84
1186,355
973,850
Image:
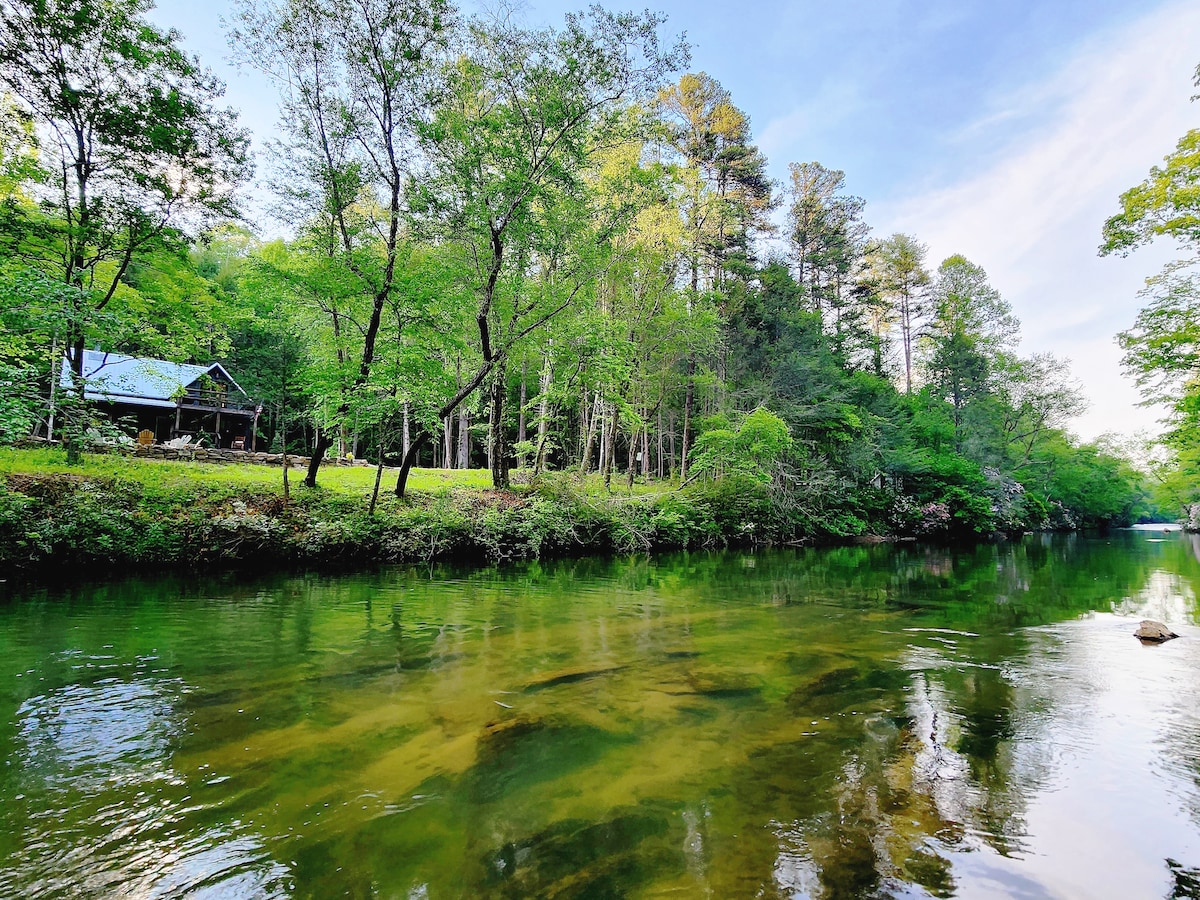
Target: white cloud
x,y
1054,158
833,103
784,131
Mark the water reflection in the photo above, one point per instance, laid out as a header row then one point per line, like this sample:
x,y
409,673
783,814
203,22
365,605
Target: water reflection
x,y
78,736
847,722
96,807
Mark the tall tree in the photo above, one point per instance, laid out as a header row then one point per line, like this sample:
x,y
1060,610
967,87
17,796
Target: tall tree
x,y
725,197
828,240
903,279
18,156
728,193
970,325
92,75
1162,349
353,81
825,230
1038,394
510,151
1166,204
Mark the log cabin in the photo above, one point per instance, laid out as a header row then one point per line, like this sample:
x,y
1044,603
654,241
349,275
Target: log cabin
x,y
170,399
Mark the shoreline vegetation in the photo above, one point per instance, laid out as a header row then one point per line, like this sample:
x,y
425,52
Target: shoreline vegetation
x,y
115,512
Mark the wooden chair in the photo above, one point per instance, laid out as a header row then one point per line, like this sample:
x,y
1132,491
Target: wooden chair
x,y
145,437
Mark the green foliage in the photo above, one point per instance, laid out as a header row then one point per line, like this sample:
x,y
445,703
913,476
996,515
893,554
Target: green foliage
x,y
1095,486
1161,349
753,451
140,150
116,512
19,168
492,224
1165,204
19,402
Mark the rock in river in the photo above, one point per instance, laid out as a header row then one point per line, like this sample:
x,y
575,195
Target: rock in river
x,y
1153,632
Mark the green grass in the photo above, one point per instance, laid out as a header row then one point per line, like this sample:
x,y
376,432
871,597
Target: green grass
x,y
115,511
233,478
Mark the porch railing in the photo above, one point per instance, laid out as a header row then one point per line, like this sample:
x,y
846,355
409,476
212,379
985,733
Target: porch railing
x,y
216,400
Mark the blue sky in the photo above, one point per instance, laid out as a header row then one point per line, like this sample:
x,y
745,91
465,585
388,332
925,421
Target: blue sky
x,y
1003,130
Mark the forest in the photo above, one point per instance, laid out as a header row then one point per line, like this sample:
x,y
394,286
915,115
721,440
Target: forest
x,y
552,252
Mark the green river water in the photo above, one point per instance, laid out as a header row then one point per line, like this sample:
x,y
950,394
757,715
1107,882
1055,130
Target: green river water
x,y
885,721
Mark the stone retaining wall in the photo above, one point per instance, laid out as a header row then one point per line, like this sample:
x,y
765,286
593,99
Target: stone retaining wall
x,y
202,454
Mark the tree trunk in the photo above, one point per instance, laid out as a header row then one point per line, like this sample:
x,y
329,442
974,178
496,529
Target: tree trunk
x,y
448,443
499,444
72,424
906,333
406,464
405,438
590,439
287,492
645,450
318,454
584,423
55,377
629,472
671,468
378,475
602,462
464,438
610,452
524,398
543,415
688,403
660,442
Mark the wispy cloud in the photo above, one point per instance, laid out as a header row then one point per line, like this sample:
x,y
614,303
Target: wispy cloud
x,y
1054,155
835,103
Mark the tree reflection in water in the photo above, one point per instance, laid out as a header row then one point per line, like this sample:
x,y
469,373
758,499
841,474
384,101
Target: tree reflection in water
x,y
884,721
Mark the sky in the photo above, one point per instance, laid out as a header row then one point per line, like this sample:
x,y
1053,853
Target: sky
x,y
1004,130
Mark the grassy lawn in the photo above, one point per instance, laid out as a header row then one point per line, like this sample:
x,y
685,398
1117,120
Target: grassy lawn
x,y
233,477
113,511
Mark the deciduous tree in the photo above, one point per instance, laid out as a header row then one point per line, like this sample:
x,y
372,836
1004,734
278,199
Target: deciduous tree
x,y
93,76
353,82
510,150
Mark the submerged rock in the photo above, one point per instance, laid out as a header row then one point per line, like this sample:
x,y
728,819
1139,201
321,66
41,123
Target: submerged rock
x,y
569,676
1153,632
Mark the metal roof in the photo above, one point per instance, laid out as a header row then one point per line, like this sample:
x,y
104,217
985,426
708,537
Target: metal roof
x,y
142,382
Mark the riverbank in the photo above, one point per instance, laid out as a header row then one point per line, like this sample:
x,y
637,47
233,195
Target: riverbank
x,y
116,512
120,513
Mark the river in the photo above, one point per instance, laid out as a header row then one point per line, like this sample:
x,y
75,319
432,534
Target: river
x,y
884,721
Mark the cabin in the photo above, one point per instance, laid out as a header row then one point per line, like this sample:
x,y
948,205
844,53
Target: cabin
x,y
170,400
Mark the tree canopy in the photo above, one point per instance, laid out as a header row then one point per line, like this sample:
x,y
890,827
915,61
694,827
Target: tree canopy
x,y
548,248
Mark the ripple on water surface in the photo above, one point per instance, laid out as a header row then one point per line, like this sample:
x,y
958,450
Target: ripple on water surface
x,y
100,810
